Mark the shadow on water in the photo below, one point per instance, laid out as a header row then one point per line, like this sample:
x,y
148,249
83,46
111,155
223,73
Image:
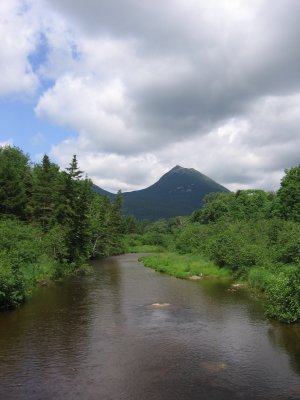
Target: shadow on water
x,y
49,334
282,336
287,337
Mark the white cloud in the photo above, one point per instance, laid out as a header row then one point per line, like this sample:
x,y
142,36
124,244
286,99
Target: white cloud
x,y
8,142
111,171
18,40
148,85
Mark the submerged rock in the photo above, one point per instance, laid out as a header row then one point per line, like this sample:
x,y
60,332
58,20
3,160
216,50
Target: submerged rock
x,y
195,277
213,367
235,286
159,305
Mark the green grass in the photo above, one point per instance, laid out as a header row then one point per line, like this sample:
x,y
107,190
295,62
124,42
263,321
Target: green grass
x,y
184,266
260,278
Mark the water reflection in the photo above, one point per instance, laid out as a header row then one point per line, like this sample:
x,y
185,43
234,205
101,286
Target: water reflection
x,y
98,337
287,337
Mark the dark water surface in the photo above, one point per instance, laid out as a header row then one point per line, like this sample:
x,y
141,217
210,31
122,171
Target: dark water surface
x,y
98,337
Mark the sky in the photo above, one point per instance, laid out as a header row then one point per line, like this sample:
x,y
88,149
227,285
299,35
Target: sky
x,y
134,88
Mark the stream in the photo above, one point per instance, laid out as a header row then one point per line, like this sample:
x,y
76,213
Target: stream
x,y
127,332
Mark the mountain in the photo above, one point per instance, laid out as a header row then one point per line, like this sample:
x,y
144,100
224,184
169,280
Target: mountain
x,y
179,192
103,192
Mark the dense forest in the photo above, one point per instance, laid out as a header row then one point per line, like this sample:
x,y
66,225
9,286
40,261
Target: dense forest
x,y
51,223
251,235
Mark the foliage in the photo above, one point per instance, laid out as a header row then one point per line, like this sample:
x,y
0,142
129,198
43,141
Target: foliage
x,y
284,295
106,226
260,278
44,186
289,195
23,263
51,222
196,238
244,205
12,288
137,243
15,182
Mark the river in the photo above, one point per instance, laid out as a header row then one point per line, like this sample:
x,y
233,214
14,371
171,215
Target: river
x,y
100,337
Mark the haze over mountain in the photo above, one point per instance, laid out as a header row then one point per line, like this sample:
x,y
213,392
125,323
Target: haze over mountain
x,y
178,192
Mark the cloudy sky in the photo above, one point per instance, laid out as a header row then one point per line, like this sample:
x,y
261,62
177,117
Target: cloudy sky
x,y
136,87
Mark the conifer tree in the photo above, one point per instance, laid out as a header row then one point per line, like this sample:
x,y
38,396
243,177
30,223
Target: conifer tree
x,y
45,181
15,181
72,210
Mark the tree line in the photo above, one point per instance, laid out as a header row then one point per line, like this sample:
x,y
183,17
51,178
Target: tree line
x,y
51,222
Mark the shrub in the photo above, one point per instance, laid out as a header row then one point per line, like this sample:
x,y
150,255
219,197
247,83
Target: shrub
x,y
12,284
284,295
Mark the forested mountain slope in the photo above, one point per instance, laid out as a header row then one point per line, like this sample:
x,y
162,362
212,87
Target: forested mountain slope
x,y
179,192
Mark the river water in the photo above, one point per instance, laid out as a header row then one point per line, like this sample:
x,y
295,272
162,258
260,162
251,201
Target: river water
x,y
100,337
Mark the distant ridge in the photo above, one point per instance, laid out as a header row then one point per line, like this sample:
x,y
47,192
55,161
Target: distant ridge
x,y
103,192
178,192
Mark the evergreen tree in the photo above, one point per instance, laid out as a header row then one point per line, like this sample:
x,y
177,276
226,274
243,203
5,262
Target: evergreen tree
x,y
99,225
73,170
116,224
73,200
45,182
15,181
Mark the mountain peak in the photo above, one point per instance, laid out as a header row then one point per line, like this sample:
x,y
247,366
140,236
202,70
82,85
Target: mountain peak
x,y
176,168
178,192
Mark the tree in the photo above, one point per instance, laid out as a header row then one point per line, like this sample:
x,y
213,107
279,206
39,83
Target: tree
x,y
99,225
78,196
289,195
252,204
72,205
117,225
217,205
15,182
44,188
73,170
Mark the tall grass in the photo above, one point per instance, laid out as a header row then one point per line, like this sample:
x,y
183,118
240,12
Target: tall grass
x,y
184,266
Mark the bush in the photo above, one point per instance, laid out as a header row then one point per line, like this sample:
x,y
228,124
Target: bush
x,y
288,243
260,278
284,295
194,238
25,260
12,284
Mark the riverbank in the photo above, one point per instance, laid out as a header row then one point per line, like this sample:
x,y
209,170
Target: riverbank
x,y
184,266
279,287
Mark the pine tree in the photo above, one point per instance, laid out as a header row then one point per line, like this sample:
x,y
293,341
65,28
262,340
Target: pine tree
x,y
45,184
15,181
99,225
117,225
74,196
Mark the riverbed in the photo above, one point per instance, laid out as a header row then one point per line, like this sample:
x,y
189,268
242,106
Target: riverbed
x,y
127,332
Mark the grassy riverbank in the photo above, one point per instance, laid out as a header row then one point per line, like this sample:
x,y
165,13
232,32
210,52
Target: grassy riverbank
x,y
184,266
278,286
